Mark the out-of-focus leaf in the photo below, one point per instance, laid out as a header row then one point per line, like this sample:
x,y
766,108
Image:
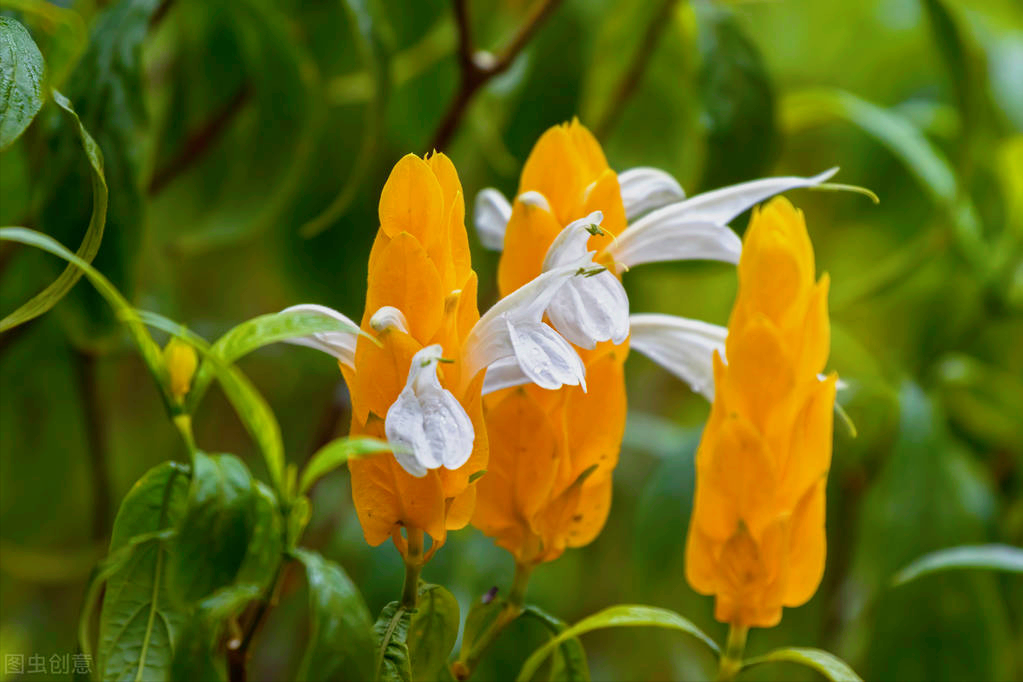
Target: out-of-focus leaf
x,y
737,98
983,401
48,297
213,536
392,656
334,454
988,557
341,642
432,631
481,616
375,59
256,333
826,664
195,651
623,615
21,80
568,663
140,621
67,36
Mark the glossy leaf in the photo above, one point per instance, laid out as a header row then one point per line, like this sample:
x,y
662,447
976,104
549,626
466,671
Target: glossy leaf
x,y
334,454
985,557
196,651
341,641
623,615
432,631
392,654
826,664
568,663
140,620
21,80
48,297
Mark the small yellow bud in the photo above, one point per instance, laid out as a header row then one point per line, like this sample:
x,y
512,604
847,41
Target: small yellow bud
x,y
181,362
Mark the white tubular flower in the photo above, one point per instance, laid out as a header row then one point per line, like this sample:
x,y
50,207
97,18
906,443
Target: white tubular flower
x,y
646,189
427,422
682,346
503,374
339,344
388,317
696,228
491,212
591,308
514,329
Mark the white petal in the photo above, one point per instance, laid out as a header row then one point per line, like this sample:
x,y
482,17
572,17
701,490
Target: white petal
x,y
589,310
339,344
570,244
490,215
682,346
534,198
662,236
389,317
428,421
544,356
646,189
504,374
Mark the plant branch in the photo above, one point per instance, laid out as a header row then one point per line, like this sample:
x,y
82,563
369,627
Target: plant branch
x,y
731,659
238,647
634,73
477,68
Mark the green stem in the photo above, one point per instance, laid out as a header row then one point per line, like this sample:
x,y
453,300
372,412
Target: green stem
x,y
463,668
413,566
731,659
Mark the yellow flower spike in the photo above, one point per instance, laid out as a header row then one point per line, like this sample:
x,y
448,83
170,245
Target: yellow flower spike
x,y
756,538
181,362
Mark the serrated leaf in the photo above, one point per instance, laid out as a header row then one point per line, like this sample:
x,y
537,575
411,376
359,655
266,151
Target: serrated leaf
x,y
139,621
623,615
826,664
196,655
341,642
48,297
568,663
334,454
213,536
392,656
432,631
21,80
986,557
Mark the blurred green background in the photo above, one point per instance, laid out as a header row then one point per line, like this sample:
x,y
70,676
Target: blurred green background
x,y
229,128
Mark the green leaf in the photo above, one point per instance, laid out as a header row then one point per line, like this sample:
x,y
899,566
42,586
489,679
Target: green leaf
x,y
341,641
569,661
21,80
432,631
266,541
391,630
334,454
826,664
990,557
258,332
140,621
623,615
196,651
480,618
48,297
67,40
213,537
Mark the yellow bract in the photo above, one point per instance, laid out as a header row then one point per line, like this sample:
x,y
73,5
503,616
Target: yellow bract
x,y
420,265
756,538
181,362
548,484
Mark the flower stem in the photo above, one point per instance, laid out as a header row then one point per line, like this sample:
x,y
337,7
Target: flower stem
x,y
731,659
413,566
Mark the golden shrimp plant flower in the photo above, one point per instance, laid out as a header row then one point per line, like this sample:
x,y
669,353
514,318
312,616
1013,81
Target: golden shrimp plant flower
x,y
548,485
415,373
756,537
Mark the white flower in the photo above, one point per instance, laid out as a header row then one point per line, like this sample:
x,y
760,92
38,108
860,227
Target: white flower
x,y
427,422
590,309
339,344
682,346
645,189
490,215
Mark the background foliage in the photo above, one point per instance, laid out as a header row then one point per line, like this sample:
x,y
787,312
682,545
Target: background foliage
x,y
245,144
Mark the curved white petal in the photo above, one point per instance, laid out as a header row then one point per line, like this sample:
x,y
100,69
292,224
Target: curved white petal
x,y
645,189
544,356
490,215
389,317
667,237
339,344
428,421
682,346
534,198
504,374
570,245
